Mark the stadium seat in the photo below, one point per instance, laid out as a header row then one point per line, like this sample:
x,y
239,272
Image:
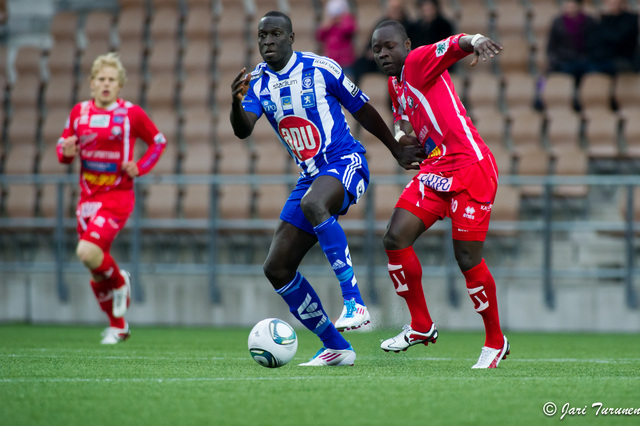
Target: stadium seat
x,y
22,154
525,139
386,196
198,23
271,157
271,199
47,201
484,91
518,56
631,134
475,17
602,132
520,91
558,92
236,201
199,149
627,91
160,201
544,11
20,200
379,158
512,18
596,91
506,207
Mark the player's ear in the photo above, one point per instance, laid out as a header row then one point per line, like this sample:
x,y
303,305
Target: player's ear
x,y
292,37
407,44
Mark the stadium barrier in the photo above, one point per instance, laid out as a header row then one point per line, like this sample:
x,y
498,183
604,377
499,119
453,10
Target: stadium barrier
x,y
543,223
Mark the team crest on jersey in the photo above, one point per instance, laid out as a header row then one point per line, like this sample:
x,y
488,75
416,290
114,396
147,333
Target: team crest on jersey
x,y
307,82
116,131
301,136
100,121
442,47
308,100
410,102
286,103
159,138
118,119
269,106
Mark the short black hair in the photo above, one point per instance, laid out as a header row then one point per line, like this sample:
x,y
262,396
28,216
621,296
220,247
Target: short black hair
x,y
397,26
278,14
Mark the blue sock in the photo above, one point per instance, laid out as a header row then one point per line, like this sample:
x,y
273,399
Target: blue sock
x,y
305,305
333,242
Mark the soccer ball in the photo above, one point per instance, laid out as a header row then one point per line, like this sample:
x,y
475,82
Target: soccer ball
x,y
272,343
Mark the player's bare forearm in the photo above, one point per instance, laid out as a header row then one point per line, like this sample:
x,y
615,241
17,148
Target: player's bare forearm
x,y
482,47
408,156
241,121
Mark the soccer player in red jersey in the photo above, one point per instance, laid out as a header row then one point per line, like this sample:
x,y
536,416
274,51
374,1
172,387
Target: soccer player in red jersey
x,y
102,132
458,179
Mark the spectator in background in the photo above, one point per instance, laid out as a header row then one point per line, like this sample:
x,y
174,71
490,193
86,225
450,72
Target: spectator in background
x,y
431,26
395,10
571,35
616,46
337,32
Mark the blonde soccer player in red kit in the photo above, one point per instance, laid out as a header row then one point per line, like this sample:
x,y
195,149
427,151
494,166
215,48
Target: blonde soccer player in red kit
x,y
102,133
458,180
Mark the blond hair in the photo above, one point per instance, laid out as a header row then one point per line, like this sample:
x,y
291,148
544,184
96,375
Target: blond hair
x,y
110,59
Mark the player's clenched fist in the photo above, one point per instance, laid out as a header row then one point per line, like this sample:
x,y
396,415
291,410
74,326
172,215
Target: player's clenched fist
x,y
240,85
70,146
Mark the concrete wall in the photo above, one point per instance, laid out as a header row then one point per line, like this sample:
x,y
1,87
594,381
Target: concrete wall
x,y
585,305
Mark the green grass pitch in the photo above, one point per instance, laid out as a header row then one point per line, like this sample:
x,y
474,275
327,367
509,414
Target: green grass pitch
x,y
61,375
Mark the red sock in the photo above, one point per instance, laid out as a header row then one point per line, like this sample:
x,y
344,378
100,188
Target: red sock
x,y
482,290
406,274
110,271
105,300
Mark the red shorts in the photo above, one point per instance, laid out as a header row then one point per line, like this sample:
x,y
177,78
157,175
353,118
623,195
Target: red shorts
x,y
102,216
465,195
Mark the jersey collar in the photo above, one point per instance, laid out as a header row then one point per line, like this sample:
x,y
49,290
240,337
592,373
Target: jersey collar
x,y
287,68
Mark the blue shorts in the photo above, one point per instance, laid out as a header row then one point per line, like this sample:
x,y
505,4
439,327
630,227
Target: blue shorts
x,y
352,170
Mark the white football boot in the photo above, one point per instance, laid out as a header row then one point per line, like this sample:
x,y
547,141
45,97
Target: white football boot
x,y
112,335
409,337
332,358
490,358
353,316
121,296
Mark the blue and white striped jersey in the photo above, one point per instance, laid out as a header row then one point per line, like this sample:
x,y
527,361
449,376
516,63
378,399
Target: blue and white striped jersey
x,y
303,104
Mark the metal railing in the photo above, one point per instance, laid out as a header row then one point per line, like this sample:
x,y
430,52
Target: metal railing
x,y
369,227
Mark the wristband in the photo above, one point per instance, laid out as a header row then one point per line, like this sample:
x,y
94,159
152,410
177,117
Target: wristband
x,y
475,38
399,135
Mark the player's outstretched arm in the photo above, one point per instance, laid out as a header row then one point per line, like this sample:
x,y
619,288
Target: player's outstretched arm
x,y
481,46
241,121
408,155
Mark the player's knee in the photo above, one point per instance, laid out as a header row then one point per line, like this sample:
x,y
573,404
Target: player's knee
x,y
275,273
314,210
467,259
89,254
392,240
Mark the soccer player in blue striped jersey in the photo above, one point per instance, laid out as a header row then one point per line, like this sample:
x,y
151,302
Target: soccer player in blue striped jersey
x,y
301,95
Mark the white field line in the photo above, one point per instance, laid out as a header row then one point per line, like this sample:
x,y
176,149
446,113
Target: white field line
x,y
404,358
275,378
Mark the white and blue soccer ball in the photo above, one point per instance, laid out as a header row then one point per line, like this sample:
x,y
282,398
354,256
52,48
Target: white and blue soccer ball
x,y
272,343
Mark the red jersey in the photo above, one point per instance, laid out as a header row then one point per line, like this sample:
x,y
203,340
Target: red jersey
x,y
425,96
106,138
